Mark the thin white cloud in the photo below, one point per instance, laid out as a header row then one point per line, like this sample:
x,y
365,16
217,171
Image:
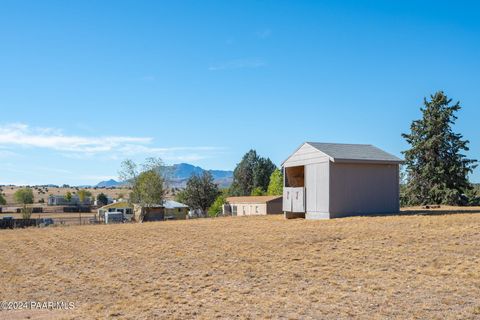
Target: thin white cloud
x,y
22,135
81,147
238,64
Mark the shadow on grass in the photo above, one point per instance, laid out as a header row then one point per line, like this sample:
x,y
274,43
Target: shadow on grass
x,y
437,212
417,212
406,212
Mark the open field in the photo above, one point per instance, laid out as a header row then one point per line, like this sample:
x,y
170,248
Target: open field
x,y
423,267
44,192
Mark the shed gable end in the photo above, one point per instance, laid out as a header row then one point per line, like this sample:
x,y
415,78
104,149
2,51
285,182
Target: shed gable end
x,y
304,155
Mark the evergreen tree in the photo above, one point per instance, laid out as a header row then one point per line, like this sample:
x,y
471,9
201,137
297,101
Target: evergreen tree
x,y
200,192
262,172
251,173
437,170
243,174
102,199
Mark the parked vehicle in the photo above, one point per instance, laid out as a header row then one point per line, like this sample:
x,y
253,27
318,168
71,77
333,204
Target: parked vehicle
x,y
114,217
45,222
7,223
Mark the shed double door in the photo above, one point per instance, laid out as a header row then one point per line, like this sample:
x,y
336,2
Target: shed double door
x,y
294,199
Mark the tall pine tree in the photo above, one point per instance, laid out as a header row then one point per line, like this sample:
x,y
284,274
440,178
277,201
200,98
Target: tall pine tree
x,y
437,170
253,172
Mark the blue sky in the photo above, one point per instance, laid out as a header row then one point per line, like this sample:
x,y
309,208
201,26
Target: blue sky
x,y
86,84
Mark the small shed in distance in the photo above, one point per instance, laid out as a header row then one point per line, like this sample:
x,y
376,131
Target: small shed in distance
x,y
331,180
169,210
253,205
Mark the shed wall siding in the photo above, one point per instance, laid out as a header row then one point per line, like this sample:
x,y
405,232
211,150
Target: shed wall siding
x,y
357,189
250,209
178,213
317,190
274,206
306,154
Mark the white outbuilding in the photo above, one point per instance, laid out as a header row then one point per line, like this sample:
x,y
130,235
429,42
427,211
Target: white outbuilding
x,y
331,180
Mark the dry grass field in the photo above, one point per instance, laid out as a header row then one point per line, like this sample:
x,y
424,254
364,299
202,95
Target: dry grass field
x,y
399,267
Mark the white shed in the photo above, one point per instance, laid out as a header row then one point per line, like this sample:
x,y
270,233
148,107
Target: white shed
x,y
331,180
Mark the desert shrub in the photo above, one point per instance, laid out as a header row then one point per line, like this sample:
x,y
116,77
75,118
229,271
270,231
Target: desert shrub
x,y
216,207
26,212
23,196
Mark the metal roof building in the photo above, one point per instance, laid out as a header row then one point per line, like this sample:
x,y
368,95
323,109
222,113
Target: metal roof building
x,y
330,180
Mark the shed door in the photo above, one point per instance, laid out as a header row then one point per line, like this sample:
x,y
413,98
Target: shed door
x,y
294,199
298,199
287,199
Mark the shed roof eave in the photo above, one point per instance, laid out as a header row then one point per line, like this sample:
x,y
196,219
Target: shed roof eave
x,y
366,161
253,199
118,203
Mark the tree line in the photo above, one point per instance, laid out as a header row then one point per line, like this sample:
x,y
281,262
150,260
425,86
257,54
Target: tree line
x,y
253,175
25,196
435,170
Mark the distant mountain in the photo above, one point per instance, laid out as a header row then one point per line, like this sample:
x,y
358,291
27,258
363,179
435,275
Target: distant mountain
x,y
180,173
108,184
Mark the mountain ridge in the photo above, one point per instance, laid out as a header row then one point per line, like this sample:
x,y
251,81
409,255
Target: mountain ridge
x,y
179,174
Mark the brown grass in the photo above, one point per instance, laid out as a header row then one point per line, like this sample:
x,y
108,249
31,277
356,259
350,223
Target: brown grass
x,y
416,267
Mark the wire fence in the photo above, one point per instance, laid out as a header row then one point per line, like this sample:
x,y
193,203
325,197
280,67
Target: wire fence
x,y
15,223
75,220
48,209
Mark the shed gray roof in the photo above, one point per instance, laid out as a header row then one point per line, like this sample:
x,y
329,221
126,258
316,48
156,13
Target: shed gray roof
x,y
170,204
339,152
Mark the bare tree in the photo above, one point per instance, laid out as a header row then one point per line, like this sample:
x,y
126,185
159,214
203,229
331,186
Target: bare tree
x,y
147,182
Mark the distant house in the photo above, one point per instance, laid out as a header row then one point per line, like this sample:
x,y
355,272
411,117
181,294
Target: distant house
x,y
168,210
121,207
60,200
331,180
175,210
253,205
